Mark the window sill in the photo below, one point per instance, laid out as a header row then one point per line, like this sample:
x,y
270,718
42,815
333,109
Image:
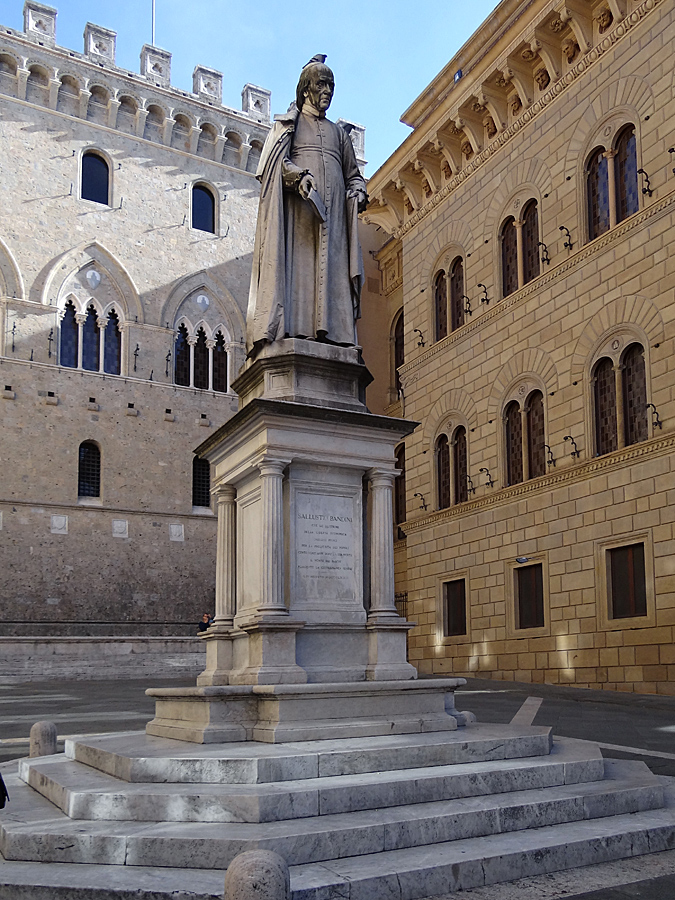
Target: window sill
x,y
202,511
89,501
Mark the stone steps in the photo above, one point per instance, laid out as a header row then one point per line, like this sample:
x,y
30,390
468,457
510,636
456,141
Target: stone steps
x,y
136,757
397,874
629,787
85,793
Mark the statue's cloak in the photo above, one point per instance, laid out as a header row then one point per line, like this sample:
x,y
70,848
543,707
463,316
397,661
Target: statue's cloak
x,y
307,275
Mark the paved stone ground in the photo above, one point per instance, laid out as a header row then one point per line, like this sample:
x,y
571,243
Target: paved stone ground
x,y
625,725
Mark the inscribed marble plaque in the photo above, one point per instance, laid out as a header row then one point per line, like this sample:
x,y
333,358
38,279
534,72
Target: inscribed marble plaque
x,y
324,540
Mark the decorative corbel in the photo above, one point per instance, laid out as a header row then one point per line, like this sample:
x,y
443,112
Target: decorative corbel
x,y
575,15
549,54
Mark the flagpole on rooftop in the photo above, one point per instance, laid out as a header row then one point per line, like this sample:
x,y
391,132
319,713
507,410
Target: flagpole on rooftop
x,y
153,23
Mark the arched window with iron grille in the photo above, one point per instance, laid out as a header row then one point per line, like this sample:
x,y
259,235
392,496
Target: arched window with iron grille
x,y
69,345
201,482
441,306
597,193
509,252
91,341
634,378
112,345
530,240
201,361
457,294
513,428
203,209
536,441
459,461
95,184
626,180
182,357
89,470
604,402
220,364
443,471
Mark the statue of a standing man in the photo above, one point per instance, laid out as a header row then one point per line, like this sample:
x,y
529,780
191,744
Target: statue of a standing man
x,y
307,265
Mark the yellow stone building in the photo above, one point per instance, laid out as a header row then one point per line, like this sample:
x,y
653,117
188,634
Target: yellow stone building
x,y
529,287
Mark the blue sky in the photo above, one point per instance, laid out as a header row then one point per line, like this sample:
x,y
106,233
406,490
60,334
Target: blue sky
x,y
383,53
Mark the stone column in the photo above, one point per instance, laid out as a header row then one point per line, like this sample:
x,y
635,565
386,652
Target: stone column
x,y
21,82
210,344
226,555
113,106
272,581
80,319
102,322
611,186
84,103
54,85
382,545
141,116
518,225
192,340
168,130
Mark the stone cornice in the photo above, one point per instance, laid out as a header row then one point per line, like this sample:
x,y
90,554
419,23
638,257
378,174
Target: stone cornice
x,y
409,372
581,472
606,44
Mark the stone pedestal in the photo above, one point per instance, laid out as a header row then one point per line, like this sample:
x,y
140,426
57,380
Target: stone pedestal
x,y
303,477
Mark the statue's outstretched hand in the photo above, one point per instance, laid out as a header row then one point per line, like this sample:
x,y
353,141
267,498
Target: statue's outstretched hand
x,y
362,198
305,185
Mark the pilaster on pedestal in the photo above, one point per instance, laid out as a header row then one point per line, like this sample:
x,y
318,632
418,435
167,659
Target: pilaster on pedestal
x,y
270,652
218,640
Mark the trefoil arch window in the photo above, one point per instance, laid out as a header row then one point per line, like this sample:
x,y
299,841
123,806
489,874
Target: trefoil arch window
x,y
70,340
525,439
89,470
220,364
620,400
611,183
203,209
201,362
91,342
112,345
95,184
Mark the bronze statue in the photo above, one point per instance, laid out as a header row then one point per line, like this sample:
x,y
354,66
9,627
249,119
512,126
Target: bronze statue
x,y
307,265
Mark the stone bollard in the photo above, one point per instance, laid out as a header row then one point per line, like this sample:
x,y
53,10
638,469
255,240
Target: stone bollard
x,y
43,739
257,875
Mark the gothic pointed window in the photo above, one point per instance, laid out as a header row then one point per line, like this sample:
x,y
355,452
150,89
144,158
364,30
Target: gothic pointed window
x,y
399,350
399,492
530,240
457,294
69,337
220,364
604,396
536,442
509,253
91,341
514,443
443,471
634,395
201,482
89,470
626,180
201,361
182,357
112,345
597,193
95,179
203,209
441,306
459,465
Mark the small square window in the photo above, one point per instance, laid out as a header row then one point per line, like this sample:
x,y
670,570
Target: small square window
x,y
627,582
454,607
529,596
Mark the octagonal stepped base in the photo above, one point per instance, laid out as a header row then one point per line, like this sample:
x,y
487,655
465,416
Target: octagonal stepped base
x,y
405,816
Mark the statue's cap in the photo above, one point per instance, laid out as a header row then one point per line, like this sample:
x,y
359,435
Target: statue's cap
x,y
319,58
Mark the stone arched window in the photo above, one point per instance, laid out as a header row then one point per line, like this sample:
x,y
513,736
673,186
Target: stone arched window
x,y
95,181
530,239
253,156
536,440
604,407
634,384
399,492
443,471
201,482
89,470
182,357
201,361
597,193
91,342
68,98
459,465
625,172
513,435
440,306
457,294
399,350
220,364
97,108
112,345
508,238
203,209
70,333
